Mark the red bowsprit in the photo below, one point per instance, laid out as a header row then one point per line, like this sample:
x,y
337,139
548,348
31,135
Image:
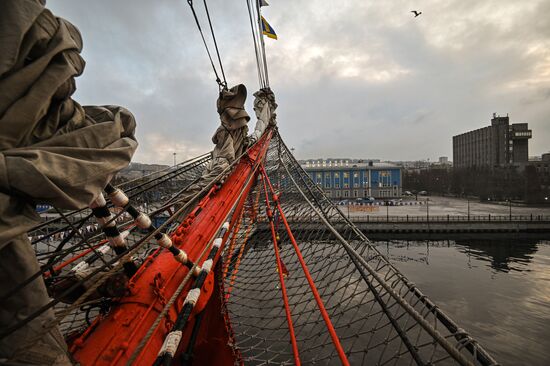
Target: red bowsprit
x,y
112,340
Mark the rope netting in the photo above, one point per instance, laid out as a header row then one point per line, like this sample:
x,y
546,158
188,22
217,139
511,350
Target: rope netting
x,y
378,315
68,239
332,298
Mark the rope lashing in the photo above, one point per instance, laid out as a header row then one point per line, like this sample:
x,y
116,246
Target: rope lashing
x,y
221,84
172,340
81,269
143,221
107,222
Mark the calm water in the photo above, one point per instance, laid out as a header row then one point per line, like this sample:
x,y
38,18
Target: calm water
x,y
498,290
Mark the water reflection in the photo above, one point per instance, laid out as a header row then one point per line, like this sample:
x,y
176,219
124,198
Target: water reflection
x,y
502,255
498,290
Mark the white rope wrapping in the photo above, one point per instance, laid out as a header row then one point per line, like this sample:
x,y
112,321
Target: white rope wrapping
x,y
217,243
207,266
104,221
226,225
143,221
181,257
165,241
79,268
171,343
196,270
192,296
118,198
99,201
117,241
104,249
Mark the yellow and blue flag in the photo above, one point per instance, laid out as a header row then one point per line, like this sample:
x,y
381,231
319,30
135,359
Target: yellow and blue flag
x,y
268,30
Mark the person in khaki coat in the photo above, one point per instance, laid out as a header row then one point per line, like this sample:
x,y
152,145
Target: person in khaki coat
x,y
52,151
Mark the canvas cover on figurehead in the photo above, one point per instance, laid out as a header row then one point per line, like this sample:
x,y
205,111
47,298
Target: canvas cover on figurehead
x,y
53,151
231,137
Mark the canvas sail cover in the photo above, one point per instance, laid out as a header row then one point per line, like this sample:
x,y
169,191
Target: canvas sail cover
x,y
52,150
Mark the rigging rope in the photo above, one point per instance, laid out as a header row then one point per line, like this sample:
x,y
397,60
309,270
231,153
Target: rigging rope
x,y
315,292
215,42
269,213
262,43
222,85
257,38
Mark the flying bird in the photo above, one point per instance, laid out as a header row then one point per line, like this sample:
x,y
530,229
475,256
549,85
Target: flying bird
x,y
416,13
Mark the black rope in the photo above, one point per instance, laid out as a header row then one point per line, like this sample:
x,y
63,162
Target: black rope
x,y
264,58
215,43
256,49
190,2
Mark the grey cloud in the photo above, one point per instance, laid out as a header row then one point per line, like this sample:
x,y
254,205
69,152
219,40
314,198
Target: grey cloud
x,y
353,78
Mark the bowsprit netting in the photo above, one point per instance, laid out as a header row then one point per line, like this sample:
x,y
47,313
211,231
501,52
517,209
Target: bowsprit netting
x,y
378,315
331,298
66,240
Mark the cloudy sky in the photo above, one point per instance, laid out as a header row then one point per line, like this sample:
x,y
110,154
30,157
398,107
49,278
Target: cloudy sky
x,y
352,78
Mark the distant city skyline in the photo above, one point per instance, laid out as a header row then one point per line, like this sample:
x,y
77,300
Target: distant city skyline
x,y
351,78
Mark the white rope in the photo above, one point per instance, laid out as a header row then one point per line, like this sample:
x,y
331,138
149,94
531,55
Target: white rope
x,y
143,221
217,242
118,198
192,296
164,241
171,343
207,266
181,257
106,221
117,241
99,201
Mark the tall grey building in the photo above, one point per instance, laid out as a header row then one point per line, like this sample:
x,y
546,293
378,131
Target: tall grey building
x,y
497,145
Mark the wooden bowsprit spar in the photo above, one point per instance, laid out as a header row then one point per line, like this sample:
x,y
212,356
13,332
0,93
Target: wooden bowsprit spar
x,y
113,339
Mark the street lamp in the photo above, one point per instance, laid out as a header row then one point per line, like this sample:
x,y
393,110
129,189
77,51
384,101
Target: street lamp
x,y
468,208
510,205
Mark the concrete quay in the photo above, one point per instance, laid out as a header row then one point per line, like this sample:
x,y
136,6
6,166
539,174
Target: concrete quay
x,y
450,215
500,226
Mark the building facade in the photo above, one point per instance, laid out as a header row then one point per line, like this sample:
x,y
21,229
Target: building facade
x,y
343,179
497,145
542,166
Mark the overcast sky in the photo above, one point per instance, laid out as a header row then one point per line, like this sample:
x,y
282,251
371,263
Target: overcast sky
x,y
358,79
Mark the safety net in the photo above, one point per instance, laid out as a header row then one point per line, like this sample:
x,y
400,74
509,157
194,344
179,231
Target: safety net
x,y
377,316
74,253
330,298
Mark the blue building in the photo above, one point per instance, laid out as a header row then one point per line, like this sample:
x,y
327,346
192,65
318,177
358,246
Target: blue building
x,y
347,179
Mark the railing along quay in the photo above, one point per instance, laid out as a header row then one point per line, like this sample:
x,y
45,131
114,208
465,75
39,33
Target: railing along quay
x,y
449,218
439,223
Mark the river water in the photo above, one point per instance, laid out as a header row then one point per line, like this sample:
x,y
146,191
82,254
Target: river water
x,y
498,290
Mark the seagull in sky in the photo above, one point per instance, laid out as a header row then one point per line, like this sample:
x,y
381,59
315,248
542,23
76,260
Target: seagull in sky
x,y
416,13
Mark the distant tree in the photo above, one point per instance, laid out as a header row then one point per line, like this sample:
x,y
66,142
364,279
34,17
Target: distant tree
x,y
533,191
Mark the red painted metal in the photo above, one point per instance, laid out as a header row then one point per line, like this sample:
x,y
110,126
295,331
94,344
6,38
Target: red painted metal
x,y
112,340
281,279
324,314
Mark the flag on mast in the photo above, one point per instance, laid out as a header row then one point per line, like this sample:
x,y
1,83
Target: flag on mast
x,y
267,29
